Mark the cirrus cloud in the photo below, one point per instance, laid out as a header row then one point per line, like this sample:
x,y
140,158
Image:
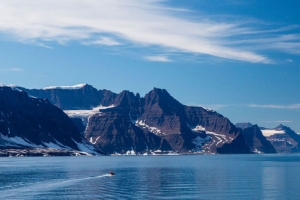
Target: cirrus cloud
x,y
292,106
158,58
145,23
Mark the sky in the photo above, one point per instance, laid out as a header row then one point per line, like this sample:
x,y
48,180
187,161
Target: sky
x,y
240,58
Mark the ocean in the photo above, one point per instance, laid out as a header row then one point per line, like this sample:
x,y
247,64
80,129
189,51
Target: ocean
x,y
151,177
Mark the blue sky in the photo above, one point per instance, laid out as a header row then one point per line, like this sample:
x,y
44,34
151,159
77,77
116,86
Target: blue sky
x,y
240,58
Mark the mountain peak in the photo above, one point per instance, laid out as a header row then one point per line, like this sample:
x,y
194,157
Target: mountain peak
x,y
244,125
125,98
282,127
161,97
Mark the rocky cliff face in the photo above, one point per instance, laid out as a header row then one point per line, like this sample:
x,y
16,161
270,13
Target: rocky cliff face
x,y
283,139
27,122
226,138
162,120
114,132
78,97
256,141
156,122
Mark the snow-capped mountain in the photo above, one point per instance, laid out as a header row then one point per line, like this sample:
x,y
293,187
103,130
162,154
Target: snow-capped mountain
x,y
270,140
284,139
28,122
160,122
128,123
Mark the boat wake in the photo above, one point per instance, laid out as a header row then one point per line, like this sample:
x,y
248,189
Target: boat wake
x,y
81,179
41,187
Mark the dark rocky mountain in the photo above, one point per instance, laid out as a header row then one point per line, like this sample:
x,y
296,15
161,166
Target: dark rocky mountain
x,y
244,125
81,96
226,138
256,141
114,132
128,123
27,122
283,139
156,122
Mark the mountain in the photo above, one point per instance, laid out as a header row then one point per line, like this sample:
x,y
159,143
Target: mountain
x,y
34,123
114,132
244,125
160,122
82,96
256,141
283,139
128,123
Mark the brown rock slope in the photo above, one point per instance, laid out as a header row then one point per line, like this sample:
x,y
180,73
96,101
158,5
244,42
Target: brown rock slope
x,y
146,123
35,122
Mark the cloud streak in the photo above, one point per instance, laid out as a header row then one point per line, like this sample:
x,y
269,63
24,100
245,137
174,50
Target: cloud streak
x,y
292,106
159,58
104,41
146,23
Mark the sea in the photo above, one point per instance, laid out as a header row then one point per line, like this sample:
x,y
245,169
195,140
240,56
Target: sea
x,y
151,177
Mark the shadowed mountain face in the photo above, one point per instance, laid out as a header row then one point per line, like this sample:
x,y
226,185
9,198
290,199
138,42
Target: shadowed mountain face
x,y
84,97
155,122
113,131
27,122
256,141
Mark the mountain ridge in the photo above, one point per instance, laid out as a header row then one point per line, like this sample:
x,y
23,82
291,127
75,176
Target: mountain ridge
x,y
156,115
127,123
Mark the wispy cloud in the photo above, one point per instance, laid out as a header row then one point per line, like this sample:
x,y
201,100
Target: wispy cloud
x,y
104,41
160,58
216,106
146,23
292,106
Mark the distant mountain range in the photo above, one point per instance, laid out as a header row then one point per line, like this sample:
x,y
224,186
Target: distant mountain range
x,y
101,121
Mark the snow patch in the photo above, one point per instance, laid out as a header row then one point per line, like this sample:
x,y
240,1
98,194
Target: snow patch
x,y
86,113
147,153
18,141
130,153
142,124
269,132
85,147
79,86
198,128
208,109
56,145
257,151
94,142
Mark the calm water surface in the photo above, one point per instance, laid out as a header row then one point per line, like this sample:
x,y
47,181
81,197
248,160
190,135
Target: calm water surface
x,y
152,177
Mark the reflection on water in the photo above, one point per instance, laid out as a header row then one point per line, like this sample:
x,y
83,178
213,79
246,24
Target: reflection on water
x,y
273,182
280,179
161,177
